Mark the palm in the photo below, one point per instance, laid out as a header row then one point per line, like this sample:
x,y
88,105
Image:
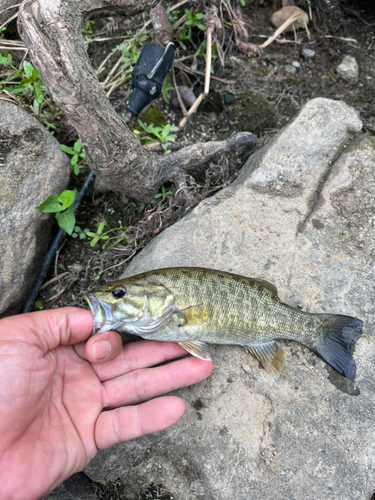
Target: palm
x,y
51,400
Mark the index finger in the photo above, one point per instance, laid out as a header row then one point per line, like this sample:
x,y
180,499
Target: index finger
x,y
50,328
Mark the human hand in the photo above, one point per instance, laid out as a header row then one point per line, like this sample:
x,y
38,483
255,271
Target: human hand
x,y
54,388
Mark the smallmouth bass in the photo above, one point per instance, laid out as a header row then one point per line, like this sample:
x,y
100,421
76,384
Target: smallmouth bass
x,y
195,306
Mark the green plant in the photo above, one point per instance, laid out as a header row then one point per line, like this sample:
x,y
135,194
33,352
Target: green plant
x,y
184,35
77,159
162,134
193,20
104,236
88,29
31,81
163,193
62,206
78,233
39,305
165,89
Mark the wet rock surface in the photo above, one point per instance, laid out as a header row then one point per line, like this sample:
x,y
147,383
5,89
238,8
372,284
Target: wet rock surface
x,y
32,167
301,216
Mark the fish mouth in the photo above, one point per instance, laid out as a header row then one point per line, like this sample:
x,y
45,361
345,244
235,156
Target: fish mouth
x,y
102,314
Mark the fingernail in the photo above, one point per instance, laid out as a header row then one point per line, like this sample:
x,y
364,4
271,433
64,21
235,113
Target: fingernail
x,y
101,349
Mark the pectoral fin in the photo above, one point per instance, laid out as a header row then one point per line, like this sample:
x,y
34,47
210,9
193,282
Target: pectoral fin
x,y
195,315
269,354
197,349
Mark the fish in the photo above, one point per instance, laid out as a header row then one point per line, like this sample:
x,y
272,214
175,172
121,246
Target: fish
x,y
196,306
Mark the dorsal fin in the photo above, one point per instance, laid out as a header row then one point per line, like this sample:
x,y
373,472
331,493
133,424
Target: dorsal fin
x,y
267,285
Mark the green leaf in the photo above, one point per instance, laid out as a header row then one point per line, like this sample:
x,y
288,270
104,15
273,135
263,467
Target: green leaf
x,y
199,15
100,228
34,75
66,149
28,69
89,233
74,159
67,220
25,83
78,146
201,27
94,241
39,97
76,169
66,199
166,130
51,205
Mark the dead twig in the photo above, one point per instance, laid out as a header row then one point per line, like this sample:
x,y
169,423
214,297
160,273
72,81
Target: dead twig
x,y
206,80
282,28
56,278
182,106
9,20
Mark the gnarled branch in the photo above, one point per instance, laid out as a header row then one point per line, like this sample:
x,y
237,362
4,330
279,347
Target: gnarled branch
x,y
52,30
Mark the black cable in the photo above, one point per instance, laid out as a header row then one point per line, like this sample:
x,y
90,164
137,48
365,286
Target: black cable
x,y
56,242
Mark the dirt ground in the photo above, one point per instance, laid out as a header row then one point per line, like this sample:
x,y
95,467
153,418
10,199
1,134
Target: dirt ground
x,y
265,93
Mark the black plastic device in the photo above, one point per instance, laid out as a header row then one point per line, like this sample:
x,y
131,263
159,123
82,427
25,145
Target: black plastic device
x,y
152,67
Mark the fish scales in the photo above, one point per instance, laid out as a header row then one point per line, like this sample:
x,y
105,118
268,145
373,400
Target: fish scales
x,y
193,306
240,309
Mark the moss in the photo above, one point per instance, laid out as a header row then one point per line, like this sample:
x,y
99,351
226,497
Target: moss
x,y
153,115
253,113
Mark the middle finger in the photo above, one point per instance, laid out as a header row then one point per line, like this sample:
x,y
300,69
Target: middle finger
x,y
144,384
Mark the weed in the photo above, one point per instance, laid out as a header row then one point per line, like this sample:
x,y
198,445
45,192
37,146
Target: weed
x,y
78,233
165,89
31,84
77,159
161,134
62,206
193,20
99,235
163,193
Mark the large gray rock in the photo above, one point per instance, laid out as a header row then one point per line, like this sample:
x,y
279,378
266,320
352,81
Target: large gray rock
x,y
300,215
32,167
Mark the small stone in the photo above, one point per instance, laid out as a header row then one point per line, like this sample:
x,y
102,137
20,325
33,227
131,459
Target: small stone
x,y
247,368
348,70
256,376
296,64
280,16
290,70
308,54
212,116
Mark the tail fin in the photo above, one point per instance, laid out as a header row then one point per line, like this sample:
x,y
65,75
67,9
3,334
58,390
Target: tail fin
x,y
335,346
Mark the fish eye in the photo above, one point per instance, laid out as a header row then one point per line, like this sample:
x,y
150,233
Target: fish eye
x,y
119,292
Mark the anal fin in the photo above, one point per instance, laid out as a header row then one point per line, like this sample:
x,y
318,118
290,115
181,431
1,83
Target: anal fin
x,y
269,354
197,349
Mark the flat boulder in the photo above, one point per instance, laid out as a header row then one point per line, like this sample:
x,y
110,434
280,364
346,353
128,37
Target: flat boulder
x,y
300,215
32,167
